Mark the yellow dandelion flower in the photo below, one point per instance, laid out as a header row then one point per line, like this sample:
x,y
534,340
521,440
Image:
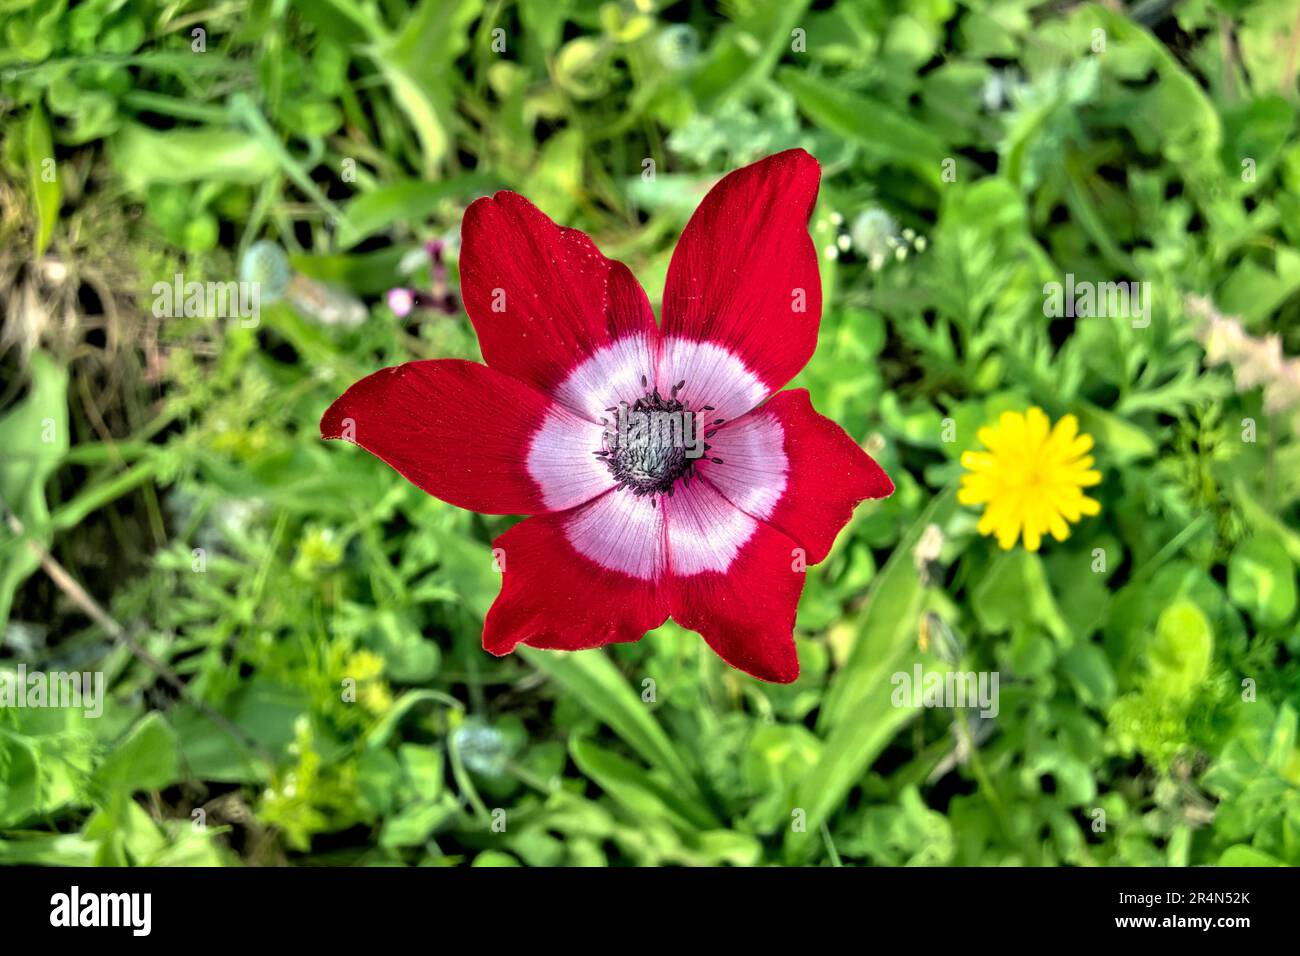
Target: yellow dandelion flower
x,y
1031,478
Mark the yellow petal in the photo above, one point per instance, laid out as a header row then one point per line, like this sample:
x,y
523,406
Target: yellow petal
x,y
1065,429
1080,446
1032,539
1036,427
1012,427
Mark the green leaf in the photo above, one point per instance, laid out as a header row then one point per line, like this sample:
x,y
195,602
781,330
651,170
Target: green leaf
x,y
384,729
246,113
853,745
633,787
1015,591
596,684
1173,115
886,135
419,108
34,438
410,201
494,858
1117,439
147,759
888,625
1243,855
145,156
412,824
1264,522
747,51
20,779
555,185
1089,671
1261,581
366,273
42,172
378,775
1178,658
60,849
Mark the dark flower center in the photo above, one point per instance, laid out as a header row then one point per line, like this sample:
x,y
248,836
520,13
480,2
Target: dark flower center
x,y
653,442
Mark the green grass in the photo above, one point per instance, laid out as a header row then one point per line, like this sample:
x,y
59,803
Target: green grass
x,y
290,633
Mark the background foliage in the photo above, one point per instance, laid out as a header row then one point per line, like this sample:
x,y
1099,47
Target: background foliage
x,y
353,131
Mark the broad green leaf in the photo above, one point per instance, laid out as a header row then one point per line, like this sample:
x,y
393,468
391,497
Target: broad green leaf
x,y
20,779
1178,658
412,824
1089,670
1261,581
1016,591
145,156
148,759
1243,855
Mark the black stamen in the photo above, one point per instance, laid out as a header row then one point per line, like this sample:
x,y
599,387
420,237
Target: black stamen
x,y
710,434
716,461
649,453
708,408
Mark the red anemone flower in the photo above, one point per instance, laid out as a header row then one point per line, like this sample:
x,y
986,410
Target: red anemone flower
x,y
628,530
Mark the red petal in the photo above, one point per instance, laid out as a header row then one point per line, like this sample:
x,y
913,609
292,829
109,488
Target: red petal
x,y
542,298
826,473
746,263
553,597
457,429
747,613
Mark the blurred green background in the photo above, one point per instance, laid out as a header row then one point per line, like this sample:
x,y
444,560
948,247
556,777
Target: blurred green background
x,y
972,152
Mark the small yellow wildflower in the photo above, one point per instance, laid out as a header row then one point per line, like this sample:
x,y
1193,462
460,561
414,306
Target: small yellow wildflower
x,y
1031,479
